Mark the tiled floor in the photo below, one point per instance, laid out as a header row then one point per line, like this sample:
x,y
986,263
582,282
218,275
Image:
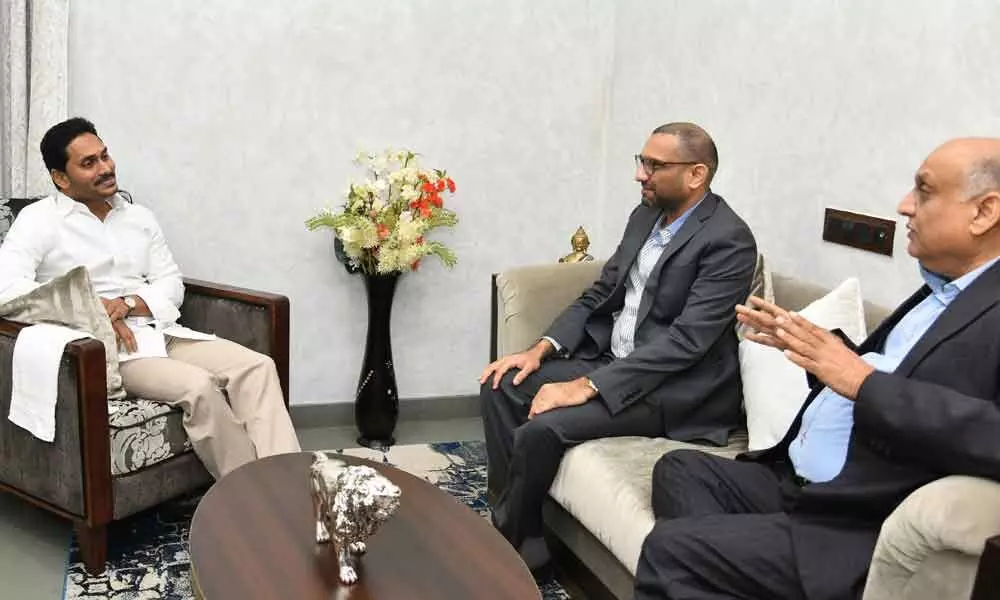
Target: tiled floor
x,y
33,543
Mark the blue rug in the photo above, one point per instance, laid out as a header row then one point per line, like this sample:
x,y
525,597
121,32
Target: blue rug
x,y
148,553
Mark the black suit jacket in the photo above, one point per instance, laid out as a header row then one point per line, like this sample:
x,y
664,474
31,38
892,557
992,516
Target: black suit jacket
x,y
685,355
938,414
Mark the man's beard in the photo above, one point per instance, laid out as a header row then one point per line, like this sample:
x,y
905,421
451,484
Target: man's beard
x,y
668,203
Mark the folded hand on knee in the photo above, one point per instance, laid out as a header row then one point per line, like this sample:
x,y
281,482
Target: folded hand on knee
x,y
558,395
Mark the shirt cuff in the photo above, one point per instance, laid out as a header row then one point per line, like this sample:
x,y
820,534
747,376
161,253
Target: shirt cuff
x,y
161,308
558,347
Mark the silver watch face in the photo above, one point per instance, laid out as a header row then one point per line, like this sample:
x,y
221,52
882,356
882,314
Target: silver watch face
x,y
129,301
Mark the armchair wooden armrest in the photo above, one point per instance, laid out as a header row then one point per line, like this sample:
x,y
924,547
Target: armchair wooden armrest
x,y
71,476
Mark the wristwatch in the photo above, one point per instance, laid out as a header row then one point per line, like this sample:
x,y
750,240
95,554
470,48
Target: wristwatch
x,y
130,303
592,386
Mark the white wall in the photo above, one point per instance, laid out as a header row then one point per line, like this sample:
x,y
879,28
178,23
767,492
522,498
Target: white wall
x,y
812,103
236,120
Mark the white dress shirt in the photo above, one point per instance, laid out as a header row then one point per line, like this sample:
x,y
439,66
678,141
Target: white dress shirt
x,y
126,254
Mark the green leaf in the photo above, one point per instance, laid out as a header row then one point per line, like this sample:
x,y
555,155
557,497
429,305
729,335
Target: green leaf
x,y
441,251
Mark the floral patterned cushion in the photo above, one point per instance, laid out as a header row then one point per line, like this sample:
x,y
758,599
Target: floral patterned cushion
x,y
9,207
144,433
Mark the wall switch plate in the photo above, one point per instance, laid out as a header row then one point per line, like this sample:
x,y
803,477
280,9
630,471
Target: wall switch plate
x,y
859,231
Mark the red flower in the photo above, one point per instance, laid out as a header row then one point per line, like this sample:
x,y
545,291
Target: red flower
x,y
427,187
415,265
420,240
451,185
383,231
440,185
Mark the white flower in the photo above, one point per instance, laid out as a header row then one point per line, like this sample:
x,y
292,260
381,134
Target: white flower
x,y
409,230
409,194
350,236
411,253
369,235
388,260
380,163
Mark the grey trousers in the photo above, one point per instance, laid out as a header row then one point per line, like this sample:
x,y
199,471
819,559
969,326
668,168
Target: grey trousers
x,y
721,532
225,435
524,455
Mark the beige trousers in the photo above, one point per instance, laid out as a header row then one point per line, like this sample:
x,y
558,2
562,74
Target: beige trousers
x,y
224,435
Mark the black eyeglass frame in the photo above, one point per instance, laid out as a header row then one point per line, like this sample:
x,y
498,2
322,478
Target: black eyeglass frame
x,y
651,165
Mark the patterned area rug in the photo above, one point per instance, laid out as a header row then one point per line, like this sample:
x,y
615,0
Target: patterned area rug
x,y
148,553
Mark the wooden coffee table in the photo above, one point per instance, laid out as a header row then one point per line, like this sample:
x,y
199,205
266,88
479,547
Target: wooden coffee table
x,y
253,536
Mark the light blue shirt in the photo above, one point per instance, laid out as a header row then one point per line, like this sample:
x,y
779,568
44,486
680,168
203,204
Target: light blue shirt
x,y
623,332
819,450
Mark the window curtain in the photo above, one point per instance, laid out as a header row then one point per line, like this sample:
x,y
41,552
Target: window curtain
x,y
34,57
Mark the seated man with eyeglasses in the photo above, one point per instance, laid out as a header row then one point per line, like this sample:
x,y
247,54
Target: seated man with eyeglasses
x,y
649,349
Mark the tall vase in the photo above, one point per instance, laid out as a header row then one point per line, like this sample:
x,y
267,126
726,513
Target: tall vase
x,y
376,405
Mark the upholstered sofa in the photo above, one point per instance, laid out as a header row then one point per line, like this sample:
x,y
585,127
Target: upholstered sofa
x,y
111,459
599,513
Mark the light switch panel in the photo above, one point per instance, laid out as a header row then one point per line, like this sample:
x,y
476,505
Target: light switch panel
x,y
859,231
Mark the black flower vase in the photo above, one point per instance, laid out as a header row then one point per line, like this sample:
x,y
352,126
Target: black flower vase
x,y
376,406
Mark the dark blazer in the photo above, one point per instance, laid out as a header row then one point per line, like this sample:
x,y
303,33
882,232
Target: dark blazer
x,y
685,355
938,414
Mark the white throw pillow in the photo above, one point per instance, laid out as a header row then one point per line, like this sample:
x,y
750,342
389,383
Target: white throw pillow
x,y
774,387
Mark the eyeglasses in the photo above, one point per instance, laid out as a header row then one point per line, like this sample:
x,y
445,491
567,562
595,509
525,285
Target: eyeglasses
x,y
651,165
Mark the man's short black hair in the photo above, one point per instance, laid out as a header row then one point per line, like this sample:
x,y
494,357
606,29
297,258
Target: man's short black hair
x,y
695,144
59,137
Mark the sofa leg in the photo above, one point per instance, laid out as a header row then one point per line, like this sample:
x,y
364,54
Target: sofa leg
x,y
93,540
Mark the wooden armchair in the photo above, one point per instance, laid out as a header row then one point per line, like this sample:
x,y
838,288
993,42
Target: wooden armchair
x,y
73,476
111,459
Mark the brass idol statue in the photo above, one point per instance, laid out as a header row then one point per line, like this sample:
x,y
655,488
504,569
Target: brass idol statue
x,y
580,243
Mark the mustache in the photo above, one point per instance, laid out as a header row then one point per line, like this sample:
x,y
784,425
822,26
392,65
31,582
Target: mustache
x,y
106,178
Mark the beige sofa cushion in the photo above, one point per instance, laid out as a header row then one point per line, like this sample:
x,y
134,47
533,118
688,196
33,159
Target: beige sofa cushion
x,y
530,298
945,524
605,484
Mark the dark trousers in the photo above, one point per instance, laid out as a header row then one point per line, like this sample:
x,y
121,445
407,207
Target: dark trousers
x,y
721,531
523,455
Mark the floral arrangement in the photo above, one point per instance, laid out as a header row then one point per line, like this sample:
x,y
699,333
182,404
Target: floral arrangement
x,y
385,218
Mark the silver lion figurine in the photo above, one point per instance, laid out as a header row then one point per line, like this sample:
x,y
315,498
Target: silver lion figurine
x,y
350,504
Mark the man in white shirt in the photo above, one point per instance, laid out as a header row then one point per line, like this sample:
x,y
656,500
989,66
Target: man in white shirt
x,y
86,222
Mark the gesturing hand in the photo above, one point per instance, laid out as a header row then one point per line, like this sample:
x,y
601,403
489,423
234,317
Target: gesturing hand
x,y
761,317
823,354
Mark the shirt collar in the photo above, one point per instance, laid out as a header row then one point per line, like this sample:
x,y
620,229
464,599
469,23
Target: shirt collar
x,y
946,290
671,230
65,205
